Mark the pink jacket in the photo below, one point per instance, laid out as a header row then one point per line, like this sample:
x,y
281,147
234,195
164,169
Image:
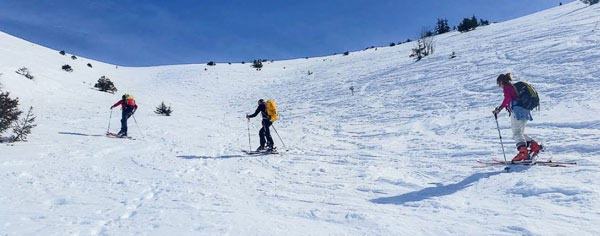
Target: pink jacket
x,y
510,94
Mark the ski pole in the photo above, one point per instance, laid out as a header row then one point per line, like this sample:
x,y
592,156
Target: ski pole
x,y
138,126
286,149
500,135
249,145
110,117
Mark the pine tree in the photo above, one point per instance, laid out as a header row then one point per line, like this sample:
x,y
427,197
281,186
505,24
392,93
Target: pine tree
x,y
9,111
23,127
163,109
468,24
442,26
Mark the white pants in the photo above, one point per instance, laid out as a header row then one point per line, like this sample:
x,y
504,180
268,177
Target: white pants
x,y
518,129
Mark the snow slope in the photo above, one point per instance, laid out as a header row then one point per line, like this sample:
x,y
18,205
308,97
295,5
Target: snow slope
x,y
397,158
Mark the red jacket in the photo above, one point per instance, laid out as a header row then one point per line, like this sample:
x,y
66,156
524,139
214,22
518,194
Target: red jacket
x,y
122,103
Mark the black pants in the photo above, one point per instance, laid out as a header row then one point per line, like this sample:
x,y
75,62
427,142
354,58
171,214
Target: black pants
x,y
265,133
125,115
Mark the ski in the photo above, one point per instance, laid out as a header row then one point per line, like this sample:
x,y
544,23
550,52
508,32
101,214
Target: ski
x,y
113,135
260,152
535,161
529,162
526,163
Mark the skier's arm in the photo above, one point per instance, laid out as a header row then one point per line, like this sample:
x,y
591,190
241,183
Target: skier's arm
x,y
116,104
255,113
505,103
507,98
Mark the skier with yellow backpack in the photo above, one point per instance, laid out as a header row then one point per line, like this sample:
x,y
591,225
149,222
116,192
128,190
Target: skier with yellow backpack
x,y
128,107
268,111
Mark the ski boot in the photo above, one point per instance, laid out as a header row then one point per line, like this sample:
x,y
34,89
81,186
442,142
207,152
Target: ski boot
x,y
260,149
522,155
534,149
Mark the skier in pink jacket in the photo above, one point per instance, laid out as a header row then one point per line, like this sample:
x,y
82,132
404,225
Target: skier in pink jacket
x,y
518,118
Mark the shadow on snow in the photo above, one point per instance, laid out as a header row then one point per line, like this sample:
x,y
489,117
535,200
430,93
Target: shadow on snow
x,y
209,157
81,134
442,190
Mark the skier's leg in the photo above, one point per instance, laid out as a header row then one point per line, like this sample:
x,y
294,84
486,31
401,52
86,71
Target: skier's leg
x,y
268,134
261,135
518,128
128,115
123,123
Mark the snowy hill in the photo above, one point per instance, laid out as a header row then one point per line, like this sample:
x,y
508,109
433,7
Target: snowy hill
x,y
396,158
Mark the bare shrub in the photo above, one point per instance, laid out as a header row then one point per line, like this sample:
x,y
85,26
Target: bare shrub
x,y
24,72
425,46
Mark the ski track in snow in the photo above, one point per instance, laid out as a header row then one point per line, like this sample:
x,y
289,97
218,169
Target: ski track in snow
x,y
396,158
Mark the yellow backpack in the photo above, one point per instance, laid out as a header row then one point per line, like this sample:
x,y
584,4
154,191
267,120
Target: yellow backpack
x,y
272,110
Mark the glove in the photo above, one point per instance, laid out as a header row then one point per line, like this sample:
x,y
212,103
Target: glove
x,y
497,110
111,108
247,116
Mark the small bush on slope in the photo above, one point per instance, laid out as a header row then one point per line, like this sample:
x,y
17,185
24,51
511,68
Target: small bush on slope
x,y
591,2
162,109
425,46
24,72
22,128
67,68
257,64
105,85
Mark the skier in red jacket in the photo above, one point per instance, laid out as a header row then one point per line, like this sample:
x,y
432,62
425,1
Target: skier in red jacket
x,y
128,107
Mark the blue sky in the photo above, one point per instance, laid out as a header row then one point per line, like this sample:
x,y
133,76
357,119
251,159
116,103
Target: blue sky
x,y
147,33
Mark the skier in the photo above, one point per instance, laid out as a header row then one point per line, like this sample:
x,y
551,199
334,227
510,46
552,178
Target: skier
x,y
266,123
128,107
518,118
